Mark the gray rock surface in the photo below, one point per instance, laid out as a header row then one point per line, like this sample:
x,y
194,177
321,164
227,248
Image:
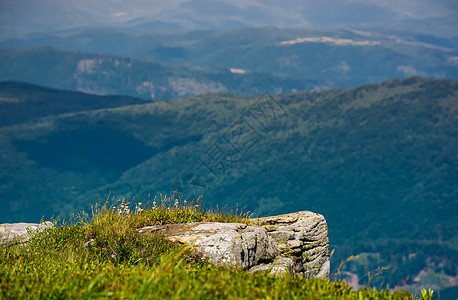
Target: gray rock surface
x,y
301,237
230,244
296,243
20,232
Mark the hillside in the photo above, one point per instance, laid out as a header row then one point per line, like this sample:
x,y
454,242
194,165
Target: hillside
x,y
346,56
106,74
379,161
22,102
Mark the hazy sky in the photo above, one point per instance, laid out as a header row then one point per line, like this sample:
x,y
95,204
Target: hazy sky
x,y
25,16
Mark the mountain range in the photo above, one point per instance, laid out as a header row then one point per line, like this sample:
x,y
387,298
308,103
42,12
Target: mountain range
x,y
245,61
379,161
30,18
104,74
344,108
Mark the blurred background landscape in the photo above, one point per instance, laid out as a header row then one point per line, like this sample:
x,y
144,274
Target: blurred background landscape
x,y
345,108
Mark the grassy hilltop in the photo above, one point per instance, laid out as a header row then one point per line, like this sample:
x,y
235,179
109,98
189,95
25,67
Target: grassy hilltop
x,y
119,263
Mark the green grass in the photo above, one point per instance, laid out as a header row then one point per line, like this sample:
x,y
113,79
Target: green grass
x,y
103,257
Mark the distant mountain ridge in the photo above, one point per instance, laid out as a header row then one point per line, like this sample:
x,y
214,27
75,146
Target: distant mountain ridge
x,y
143,18
345,57
105,74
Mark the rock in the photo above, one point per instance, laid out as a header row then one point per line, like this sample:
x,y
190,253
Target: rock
x,y
303,238
296,243
279,266
20,232
230,244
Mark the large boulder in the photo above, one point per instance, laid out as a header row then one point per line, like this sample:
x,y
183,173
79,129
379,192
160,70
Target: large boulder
x,y
302,238
20,232
230,244
296,243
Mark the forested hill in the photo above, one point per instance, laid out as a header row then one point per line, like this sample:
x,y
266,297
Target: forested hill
x,y
379,161
21,102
